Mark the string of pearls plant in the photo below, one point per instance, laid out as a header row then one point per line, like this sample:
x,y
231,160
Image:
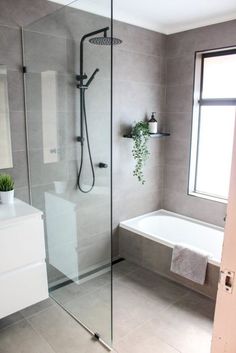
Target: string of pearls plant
x,y
140,135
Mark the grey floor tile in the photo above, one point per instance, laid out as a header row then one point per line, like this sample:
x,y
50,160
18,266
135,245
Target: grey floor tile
x,y
165,311
10,320
73,291
200,308
95,311
144,341
123,268
154,285
35,309
22,338
133,307
63,334
187,325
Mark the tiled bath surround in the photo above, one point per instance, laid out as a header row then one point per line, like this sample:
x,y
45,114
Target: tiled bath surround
x,y
156,257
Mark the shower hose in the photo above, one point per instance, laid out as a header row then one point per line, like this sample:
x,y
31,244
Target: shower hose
x,y
84,116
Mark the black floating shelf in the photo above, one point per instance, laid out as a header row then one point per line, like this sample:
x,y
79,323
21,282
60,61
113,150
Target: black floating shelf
x,y
158,135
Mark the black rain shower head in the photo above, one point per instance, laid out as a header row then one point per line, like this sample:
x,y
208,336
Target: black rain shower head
x,y
105,41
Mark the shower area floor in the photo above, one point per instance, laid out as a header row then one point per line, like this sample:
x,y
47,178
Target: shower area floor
x,y
151,315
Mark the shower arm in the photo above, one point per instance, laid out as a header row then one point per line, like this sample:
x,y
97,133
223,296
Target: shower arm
x,y
82,76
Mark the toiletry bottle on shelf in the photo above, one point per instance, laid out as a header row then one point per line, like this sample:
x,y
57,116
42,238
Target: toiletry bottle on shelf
x,y
152,124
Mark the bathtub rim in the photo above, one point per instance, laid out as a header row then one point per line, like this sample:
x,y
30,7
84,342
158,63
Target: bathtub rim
x,y
152,236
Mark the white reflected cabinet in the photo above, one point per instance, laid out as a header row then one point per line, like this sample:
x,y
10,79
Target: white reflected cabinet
x,y
5,130
23,275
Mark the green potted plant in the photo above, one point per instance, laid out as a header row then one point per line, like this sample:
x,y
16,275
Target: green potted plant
x,y
140,135
6,189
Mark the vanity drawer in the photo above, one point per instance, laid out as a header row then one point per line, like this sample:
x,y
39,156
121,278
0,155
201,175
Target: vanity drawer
x,y
21,244
22,288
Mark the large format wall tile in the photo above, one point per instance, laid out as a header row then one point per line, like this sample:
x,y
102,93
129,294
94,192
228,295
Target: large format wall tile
x,y
184,74
52,57
17,121
22,12
10,53
136,67
140,40
15,89
179,98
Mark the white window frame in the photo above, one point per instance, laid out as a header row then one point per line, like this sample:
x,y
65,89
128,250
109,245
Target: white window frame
x,y
198,101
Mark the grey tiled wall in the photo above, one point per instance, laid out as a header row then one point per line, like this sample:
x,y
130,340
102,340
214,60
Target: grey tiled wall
x,y
139,89
152,72
180,50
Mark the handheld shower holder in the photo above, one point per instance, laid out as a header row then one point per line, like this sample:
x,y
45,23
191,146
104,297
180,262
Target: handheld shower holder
x,y
83,77
80,139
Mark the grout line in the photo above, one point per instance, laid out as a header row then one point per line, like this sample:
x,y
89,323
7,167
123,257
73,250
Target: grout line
x,y
12,324
187,84
132,331
40,311
156,56
40,335
143,83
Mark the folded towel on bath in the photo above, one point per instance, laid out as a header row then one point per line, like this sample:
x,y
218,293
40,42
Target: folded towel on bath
x,y
189,262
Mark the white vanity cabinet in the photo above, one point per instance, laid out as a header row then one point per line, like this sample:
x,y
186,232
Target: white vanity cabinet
x,y
23,275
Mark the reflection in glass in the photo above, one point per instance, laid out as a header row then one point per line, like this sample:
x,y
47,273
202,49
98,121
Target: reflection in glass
x,y
5,132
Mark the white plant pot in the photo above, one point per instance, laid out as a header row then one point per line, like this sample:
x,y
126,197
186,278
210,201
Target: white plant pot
x,y
60,187
7,197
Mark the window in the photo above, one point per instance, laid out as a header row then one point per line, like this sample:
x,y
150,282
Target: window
x,y
214,112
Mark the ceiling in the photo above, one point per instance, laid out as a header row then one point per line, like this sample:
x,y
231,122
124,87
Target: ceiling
x,y
165,16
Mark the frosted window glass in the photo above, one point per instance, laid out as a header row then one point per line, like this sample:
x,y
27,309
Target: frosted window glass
x,y
215,150
219,77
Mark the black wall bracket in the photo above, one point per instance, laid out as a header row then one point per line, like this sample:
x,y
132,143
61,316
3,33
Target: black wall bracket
x,y
97,336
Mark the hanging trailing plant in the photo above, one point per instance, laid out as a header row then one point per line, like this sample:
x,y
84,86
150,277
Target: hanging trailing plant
x,y
140,135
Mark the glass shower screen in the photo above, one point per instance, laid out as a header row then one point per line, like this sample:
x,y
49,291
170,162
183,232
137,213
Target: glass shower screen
x,y
68,113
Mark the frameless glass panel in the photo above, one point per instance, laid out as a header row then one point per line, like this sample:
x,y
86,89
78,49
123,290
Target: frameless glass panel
x,y
215,150
69,123
219,77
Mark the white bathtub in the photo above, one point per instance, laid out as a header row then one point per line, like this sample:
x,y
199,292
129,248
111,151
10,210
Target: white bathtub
x,y
170,228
